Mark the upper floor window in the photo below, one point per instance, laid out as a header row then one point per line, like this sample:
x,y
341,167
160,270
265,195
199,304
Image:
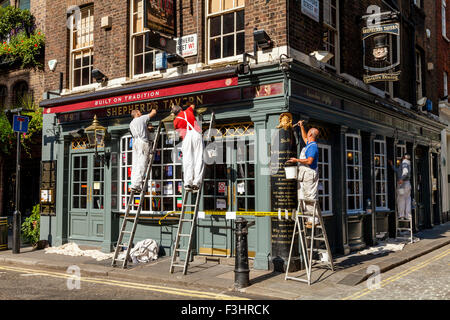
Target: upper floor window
x,y
444,18
354,172
3,96
419,92
445,97
82,47
380,174
142,56
331,33
226,31
418,3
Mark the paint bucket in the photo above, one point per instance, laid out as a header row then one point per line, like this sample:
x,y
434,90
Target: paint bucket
x,y
291,172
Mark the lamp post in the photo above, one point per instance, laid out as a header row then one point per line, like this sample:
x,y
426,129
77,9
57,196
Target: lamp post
x,y
96,136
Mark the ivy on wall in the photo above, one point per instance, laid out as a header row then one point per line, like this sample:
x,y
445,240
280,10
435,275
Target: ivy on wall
x,y
20,41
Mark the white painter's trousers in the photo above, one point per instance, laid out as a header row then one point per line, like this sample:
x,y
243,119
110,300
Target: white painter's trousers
x,y
308,187
192,149
404,200
141,151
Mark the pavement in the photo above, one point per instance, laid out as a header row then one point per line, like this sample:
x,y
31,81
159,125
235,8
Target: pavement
x,y
218,274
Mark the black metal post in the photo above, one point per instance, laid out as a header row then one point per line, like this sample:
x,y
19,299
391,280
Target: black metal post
x,y
17,221
241,268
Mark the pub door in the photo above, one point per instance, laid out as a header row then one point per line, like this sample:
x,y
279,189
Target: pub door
x,y
229,186
86,198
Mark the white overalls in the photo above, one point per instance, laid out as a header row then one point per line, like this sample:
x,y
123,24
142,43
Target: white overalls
x,y
141,150
192,149
308,181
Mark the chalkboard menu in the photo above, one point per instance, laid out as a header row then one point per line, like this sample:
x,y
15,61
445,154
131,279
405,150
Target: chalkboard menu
x,y
48,188
284,196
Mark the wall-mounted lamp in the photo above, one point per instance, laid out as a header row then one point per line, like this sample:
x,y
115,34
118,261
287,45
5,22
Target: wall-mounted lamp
x,y
99,76
96,134
262,39
322,56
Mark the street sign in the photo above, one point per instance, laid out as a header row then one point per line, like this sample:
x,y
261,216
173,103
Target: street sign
x,y
20,123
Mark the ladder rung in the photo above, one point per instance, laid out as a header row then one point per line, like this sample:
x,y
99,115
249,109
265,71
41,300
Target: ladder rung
x,y
404,229
184,235
119,259
316,238
318,250
187,220
189,205
182,250
178,265
129,232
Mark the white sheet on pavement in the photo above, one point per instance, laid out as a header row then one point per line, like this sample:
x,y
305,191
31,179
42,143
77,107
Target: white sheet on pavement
x,y
144,251
72,249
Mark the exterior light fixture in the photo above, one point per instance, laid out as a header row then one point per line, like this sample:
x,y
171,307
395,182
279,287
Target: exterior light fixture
x,y
96,134
262,39
99,76
322,56
350,155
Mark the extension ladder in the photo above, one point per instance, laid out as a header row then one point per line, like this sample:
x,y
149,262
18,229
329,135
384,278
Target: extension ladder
x,y
128,217
309,241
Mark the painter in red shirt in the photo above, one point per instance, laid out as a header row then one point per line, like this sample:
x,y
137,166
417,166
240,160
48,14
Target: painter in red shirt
x,y
187,127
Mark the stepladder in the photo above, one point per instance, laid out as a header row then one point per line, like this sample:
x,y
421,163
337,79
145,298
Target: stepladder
x,y
126,234
404,228
314,245
182,248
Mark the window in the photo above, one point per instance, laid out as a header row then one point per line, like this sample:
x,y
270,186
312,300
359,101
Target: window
x,y
354,172
226,34
445,86
418,3
400,151
380,174
3,96
82,47
24,4
419,93
142,57
331,33
4,3
164,191
20,92
324,166
443,18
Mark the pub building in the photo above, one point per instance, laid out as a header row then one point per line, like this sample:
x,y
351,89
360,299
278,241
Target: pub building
x,y
359,133
85,184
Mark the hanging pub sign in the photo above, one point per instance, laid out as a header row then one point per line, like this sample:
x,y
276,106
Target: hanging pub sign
x,y
159,16
381,46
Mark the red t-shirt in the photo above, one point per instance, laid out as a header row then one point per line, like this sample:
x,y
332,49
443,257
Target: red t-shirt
x,y
180,123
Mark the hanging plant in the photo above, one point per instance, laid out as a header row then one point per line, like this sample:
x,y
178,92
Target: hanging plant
x,y
20,42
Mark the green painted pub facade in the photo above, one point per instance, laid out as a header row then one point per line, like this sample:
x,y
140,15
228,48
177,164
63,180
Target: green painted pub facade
x,y
359,133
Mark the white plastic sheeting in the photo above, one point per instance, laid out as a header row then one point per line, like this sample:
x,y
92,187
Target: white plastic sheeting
x,y
144,251
72,249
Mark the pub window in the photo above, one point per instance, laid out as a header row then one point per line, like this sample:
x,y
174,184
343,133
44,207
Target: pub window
x,y
82,47
380,174
225,28
142,57
445,96
20,93
164,191
400,151
3,96
4,3
354,172
331,30
325,191
24,4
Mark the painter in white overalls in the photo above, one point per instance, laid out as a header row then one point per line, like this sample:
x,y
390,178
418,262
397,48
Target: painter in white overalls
x,y
308,175
141,147
192,147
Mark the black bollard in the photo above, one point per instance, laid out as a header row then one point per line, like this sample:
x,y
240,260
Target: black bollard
x,y
16,231
241,268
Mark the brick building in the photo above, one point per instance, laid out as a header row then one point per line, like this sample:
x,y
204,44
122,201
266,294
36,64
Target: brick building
x,y
362,125
15,85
